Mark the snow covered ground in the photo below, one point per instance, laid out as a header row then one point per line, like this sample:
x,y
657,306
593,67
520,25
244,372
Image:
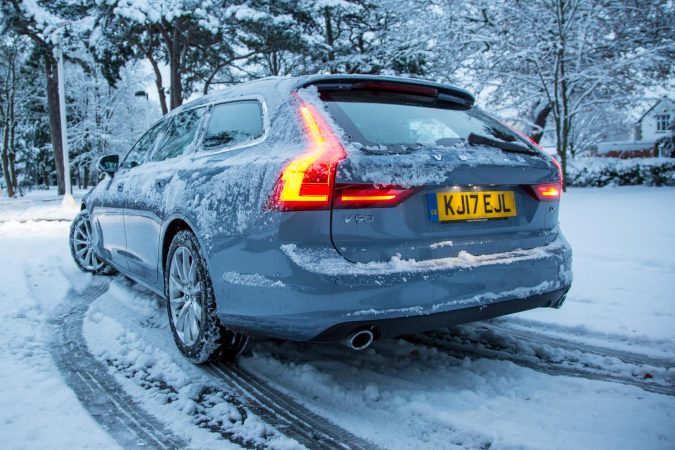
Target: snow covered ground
x,y
485,386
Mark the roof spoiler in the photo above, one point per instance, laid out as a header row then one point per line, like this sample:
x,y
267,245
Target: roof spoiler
x,y
403,85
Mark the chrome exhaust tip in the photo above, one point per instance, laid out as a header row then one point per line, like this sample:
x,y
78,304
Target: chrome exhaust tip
x,y
359,340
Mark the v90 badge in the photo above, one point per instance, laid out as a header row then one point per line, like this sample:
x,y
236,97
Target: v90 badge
x,y
359,218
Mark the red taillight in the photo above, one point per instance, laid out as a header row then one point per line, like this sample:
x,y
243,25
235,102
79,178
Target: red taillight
x,y
548,191
369,196
307,181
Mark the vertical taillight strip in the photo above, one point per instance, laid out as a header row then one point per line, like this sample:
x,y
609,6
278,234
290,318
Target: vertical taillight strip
x,y
307,181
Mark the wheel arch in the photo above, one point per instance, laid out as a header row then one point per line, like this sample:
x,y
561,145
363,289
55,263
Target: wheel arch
x,y
173,227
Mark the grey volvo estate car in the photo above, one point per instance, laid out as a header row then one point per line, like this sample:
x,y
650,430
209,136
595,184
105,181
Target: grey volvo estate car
x,y
330,209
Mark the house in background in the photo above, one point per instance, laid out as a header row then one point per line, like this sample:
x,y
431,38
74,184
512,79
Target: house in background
x,y
653,125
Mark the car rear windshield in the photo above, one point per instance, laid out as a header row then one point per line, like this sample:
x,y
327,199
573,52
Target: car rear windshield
x,y
387,122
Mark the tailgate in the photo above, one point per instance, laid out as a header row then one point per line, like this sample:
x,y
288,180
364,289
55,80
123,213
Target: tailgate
x,y
419,144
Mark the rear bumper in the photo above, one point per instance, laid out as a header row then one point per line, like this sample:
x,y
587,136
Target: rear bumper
x,y
398,326
315,294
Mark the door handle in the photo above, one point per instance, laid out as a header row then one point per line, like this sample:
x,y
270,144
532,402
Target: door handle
x,y
120,187
160,183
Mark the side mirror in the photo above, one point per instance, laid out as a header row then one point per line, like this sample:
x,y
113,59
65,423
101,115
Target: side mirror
x,y
108,164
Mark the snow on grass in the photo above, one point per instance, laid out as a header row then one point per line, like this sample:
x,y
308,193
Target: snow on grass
x,y
623,240
37,205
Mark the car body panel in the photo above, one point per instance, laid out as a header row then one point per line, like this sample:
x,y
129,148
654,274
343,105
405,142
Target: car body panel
x,y
296,274
292,292
106,207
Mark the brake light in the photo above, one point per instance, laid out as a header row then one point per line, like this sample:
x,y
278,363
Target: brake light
x,y
307,181
369,196
549,191
397,87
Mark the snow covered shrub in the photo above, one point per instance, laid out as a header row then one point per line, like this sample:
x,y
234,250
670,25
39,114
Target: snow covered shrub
x,y
597,172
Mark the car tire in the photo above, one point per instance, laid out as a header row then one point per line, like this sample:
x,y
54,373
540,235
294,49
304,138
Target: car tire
x,y
82,249
191,305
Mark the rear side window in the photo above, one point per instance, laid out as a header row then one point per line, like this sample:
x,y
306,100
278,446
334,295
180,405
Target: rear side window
x,y
390,121
179,134
233,124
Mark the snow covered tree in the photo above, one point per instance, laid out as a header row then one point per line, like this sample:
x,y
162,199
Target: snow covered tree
x,y
103,119
186,35
10,66
557,58
40,25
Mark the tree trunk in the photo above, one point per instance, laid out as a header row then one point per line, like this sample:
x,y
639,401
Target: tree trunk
x,y
12,156
564,97
55,120
5,162
12,131
330,40
175,70
539,118
86,177
158,83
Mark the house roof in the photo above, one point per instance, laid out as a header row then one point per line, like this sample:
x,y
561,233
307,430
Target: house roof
x,y
654,106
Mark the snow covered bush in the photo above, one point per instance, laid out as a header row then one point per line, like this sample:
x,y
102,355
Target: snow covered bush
x,y
597,172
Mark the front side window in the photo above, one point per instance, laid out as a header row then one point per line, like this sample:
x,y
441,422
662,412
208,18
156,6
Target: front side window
x,y
179,135
663,122
139,153
234,123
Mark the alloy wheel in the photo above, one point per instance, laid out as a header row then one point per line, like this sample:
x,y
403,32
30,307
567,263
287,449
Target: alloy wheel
x,y
83,248
185,296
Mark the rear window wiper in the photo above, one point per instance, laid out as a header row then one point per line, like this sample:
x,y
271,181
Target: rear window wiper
x,y
515,147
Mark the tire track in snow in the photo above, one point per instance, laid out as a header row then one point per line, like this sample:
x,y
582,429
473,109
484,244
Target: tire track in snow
x,y
284,413
94,386
132,427
541,338
461,346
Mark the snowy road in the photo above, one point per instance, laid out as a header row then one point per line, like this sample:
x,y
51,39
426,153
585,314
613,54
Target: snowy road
x,y
131,426
89,362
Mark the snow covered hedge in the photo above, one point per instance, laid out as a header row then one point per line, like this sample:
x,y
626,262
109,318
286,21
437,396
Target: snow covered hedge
x,y
597,172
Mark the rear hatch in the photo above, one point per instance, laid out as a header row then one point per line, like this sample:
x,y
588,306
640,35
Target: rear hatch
x,y
428,175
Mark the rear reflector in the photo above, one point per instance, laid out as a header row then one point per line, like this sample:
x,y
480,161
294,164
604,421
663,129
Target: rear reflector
x,y
548,191
307,181
368,196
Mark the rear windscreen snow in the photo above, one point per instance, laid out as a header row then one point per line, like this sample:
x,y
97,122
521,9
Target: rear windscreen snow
x,y
386,121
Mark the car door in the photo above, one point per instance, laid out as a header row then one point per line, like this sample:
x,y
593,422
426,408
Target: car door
x,y
144,210
107,206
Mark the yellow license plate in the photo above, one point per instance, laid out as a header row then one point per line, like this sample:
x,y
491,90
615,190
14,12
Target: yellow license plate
x,y
473,205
